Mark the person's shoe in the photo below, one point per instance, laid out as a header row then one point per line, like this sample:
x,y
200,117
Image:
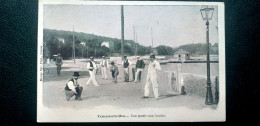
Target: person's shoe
x,y
145,97
79,99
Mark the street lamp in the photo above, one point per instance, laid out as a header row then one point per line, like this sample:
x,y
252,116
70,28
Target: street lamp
x,y
207,13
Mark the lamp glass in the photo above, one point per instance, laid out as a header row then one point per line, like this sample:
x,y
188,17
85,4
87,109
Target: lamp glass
x,y
206,12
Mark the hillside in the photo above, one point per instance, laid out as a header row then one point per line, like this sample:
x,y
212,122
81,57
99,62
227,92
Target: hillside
x,y
58,41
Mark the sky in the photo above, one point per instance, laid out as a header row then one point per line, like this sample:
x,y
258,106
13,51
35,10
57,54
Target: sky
x,y
171,25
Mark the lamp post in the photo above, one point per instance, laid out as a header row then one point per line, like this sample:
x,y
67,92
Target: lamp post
x,y
206,13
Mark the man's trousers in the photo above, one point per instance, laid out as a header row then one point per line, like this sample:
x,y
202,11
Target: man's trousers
x,y
70,94
126,74
138,75
151,79
104,72
92,78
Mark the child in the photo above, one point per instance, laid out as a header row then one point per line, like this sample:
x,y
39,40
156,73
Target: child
x,y
114,70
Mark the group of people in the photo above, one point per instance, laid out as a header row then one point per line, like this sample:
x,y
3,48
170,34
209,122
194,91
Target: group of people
x,y
73,88
104,64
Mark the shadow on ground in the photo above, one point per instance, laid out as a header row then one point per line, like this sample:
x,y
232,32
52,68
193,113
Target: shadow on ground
x,y
167,96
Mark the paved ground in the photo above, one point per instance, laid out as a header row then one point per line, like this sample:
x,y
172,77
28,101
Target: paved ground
x,y
122,94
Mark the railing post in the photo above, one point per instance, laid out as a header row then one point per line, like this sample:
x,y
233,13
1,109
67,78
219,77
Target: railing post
x,y
178,85
171,81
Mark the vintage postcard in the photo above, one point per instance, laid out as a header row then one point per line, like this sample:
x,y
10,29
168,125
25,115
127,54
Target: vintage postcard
x,y
132,61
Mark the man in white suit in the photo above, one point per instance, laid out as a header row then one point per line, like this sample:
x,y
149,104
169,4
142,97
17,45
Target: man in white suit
x,y
152,77
92,67
104,65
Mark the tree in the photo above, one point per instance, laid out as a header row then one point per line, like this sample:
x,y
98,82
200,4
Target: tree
x,y
164,50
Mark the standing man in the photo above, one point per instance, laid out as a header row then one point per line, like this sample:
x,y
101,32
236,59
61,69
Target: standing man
x,y
59,62
104,65
152,77
92,67
126,65
139,67
73,88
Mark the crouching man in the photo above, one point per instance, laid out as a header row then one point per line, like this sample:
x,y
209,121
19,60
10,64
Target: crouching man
x,y
73,88
114,71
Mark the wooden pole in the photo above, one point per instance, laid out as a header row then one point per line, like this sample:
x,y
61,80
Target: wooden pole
x,y
73,46
122,31
136,44
134,39
152,38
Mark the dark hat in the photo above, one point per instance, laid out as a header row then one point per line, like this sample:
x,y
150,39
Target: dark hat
x,y
152,55
76,74
112,62
124,55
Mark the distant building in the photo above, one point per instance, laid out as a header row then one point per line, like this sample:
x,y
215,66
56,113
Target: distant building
x,y
108,44
215,47
105,44
61,40
155,51
83,43
182,55
128,44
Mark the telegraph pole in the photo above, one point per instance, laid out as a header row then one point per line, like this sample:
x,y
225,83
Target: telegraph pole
x,y
152,38
82,50
136,44
73,47
95,50
122,30
135,41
